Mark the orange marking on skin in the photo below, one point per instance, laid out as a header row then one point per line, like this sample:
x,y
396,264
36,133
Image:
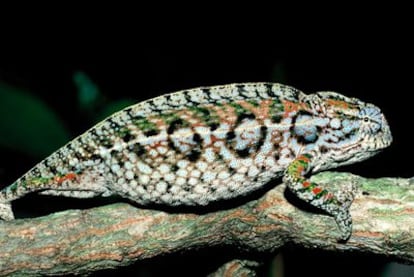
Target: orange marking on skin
x,y
157,144
338,103
290,107
225,114
70,176
158,122
304,158
306,184
316,190
300,168
261,112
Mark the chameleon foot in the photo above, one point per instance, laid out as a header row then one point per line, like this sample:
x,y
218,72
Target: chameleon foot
x,y
344,221
6,212
341,211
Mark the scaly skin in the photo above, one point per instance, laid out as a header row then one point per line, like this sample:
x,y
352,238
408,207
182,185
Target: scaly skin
x,y
197,146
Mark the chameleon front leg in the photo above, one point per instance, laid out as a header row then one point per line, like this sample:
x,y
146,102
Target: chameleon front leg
x,y
336,205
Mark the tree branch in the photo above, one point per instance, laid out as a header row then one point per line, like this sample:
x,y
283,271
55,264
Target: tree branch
x,y
79,242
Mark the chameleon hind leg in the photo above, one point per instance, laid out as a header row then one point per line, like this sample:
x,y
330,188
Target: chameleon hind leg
x,y
69,184
336,205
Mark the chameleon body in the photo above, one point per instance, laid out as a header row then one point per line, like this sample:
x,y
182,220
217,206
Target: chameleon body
x,y
197,146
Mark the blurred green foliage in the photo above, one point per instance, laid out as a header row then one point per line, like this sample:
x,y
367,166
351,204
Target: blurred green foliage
x,y
27,124
92,102
88,93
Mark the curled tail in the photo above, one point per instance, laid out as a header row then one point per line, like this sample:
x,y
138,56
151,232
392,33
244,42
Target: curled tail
x,y
6,212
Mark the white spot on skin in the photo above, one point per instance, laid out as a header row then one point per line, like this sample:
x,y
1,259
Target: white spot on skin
x,y
182,173
73,162
117,146
144,168
209,176
161,187
238,177
223,175
175,189
141,190
269,162
153,153
129,175
226,154
144,179
201,165
162,150
170,177
115,168
156,175
259,159
193,181
247,162
166,198
253,171
200,189
133,183
180,181
209,155
335,123
104,152
132,157
195,173
234,163
128,166
164,168
222,190
182,163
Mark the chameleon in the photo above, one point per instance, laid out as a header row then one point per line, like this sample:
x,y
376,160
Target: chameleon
x,y
197,146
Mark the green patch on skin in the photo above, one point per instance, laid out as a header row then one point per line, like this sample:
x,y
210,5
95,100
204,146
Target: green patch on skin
x,y
145,125
123,132
254,103
294,168
238,109
14,186
276,110
173,117
309,156
207,116
35,182
241,112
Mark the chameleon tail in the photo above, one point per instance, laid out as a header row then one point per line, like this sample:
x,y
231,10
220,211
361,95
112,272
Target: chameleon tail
x,y
6,212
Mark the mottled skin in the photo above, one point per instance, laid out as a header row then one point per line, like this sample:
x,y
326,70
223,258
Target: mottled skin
x,y
196,146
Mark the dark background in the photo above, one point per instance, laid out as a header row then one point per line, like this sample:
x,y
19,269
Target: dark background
x,y
375,66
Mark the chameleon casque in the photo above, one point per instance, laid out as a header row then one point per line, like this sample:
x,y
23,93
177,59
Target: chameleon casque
x,y
193,147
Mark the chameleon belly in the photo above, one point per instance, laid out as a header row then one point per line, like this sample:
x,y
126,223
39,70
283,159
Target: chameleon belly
x,y
196,146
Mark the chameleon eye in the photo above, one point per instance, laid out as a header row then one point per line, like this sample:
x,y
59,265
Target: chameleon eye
x,y
366,119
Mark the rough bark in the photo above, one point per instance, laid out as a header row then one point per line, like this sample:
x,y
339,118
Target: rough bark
x,y
80,242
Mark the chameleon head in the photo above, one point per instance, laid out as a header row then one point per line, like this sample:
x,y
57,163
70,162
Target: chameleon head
x,y
354,130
